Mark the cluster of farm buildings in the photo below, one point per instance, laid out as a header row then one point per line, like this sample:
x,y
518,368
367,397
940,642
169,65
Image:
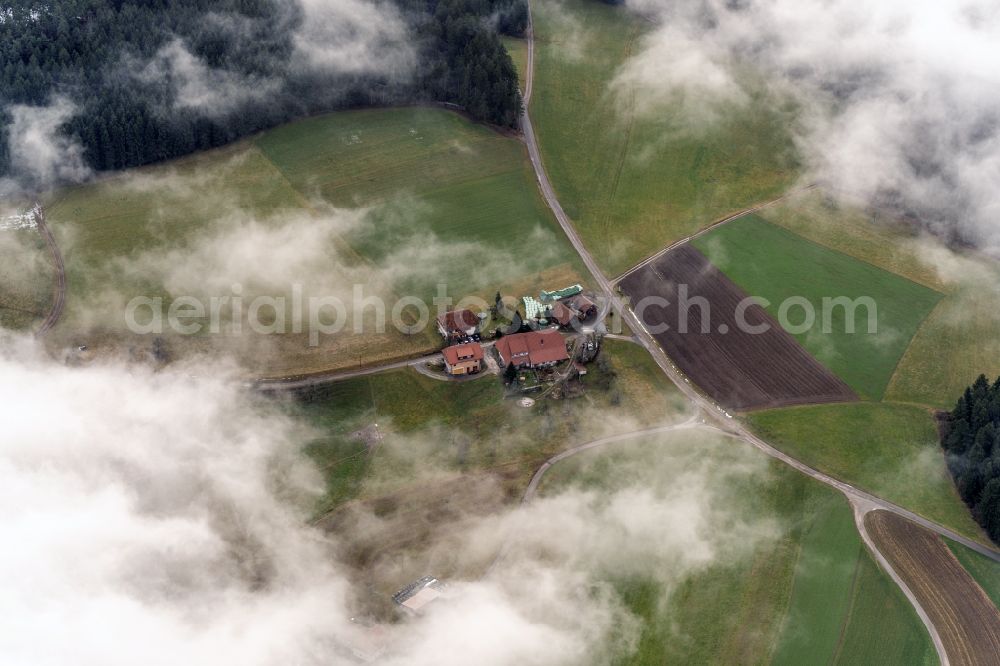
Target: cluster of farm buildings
x,y
541,346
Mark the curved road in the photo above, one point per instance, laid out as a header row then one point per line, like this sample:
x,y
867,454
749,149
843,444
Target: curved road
x,y
59,293
711,410
861,501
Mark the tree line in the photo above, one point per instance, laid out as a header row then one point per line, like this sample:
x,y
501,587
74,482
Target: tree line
x,y
88,51
972,442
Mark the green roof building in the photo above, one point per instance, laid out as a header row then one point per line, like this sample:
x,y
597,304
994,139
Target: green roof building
x,y
560,293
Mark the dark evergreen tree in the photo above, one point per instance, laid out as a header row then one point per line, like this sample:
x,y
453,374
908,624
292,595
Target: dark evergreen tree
x,y
96,53
971,438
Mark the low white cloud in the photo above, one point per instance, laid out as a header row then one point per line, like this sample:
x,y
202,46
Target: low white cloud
x,y
162,519
41,155
898,99
355,37
195,85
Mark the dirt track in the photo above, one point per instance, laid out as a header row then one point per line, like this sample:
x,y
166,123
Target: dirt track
x,y
736,368
966,620
59,290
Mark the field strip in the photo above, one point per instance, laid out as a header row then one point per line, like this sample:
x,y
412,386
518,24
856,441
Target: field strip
x,y
956,606
850,610
718,223
860,511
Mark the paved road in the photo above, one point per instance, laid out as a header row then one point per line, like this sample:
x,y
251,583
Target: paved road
x,y
59,292
713,412
860,509
692,422
290,384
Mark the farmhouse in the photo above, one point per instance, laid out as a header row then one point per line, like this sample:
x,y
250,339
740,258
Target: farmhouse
x,y
536,349
463,359
457,324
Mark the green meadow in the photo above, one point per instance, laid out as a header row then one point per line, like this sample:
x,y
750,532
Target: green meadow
x,y
429,457
440,200
985,571
808,593
890,450
959,339
518,50
27,279
632,178
484,429
770,262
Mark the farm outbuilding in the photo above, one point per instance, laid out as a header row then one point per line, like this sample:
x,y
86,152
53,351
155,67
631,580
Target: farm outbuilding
x,y
559,294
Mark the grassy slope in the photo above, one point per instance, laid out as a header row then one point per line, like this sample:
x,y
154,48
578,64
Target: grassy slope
x,y
959,341
453,181
883,627
796,599
470,183
821,597
494,432
873,239
27,277
633,184
961,336
518,50
768,261
983,569
890,450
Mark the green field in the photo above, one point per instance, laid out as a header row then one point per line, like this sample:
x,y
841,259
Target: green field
x,y
27,279
770,262
449,454
875,239
888,449
959,339
401,199
983,569
810,595
626,390
633,182
518,50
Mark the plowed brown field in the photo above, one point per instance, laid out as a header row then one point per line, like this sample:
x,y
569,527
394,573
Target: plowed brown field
x,y
965,618
737,368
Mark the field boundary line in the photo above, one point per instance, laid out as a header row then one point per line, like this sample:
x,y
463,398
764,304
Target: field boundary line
x,y
842,634
718,223
909,345
860,512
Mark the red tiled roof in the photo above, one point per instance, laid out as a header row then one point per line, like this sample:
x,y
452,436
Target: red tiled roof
x,y
458,320
534,348
472,351
561,314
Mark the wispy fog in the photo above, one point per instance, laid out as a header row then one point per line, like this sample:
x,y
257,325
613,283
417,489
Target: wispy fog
x,y
898,99
162,519
40,154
